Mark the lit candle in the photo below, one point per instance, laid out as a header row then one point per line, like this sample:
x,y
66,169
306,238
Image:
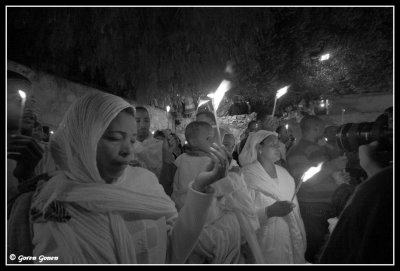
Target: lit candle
x,y
168,108
279,94
23,99
308,175
216,100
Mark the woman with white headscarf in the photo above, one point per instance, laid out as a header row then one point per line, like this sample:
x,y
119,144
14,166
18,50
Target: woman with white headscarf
x,y
100,210
281,235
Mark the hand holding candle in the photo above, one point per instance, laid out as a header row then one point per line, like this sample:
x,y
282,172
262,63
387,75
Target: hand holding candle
x,y
216,100
306,176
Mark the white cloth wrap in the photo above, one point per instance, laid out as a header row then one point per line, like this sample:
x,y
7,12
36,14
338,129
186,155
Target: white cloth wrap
x,y
282,239
248,155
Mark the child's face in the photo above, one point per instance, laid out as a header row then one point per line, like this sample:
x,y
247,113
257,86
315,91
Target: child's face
x,y
205,138
229,143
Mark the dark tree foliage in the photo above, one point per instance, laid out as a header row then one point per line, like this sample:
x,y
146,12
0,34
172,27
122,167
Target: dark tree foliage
x,y
164,53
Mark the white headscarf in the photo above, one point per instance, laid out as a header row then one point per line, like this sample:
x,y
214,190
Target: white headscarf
x,y
249,153
74,145
74,148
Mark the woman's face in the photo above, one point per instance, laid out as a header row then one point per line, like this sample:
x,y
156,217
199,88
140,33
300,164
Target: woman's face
x,y
115,147
269,149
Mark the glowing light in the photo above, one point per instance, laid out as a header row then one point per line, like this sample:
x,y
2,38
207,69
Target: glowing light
x,y
152,132
22,94
324,57
202,102
219,93
311,172
186,142
326,139
281,92
168,108
51,132
287,126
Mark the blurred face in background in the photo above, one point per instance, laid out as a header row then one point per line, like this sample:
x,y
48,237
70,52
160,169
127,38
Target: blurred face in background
x,y
143,124
229,142
254,127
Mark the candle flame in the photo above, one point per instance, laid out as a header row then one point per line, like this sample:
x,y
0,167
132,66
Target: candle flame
x,y
287,126
324,57
22,94
168,108
202,102
311,172
281,92
219,93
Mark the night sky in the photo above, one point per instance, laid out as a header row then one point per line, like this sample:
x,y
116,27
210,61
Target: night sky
x,y
144,53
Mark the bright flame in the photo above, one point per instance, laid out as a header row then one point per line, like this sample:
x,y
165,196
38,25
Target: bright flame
x,y
287,126
202,102
22,94
343,109
326,139
168,108
311,172
152,132
219,93
324,57
281,92
51,132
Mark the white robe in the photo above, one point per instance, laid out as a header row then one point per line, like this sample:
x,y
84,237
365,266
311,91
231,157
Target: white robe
x,y
282,239
136,209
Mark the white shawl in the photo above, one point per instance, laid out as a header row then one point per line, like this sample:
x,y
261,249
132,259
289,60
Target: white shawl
x,y
282,239
97,231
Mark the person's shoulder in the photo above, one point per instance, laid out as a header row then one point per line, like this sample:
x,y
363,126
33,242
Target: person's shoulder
x,y
382,180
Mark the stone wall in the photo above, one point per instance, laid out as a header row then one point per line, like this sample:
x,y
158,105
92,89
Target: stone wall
x,y
53,96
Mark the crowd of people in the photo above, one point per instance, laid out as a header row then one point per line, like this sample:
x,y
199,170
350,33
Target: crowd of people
x,y
105,190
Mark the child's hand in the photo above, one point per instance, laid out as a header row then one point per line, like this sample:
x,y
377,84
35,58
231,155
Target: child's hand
x,y
216,170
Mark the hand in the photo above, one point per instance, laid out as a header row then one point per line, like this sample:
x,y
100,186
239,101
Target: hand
x,y
341,177
280,208
367,155
27,152
216,170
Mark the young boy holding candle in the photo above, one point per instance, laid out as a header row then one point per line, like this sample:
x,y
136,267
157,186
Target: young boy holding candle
x,y
221,239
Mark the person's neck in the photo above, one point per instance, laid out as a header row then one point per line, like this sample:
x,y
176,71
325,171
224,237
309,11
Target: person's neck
x,y
269,167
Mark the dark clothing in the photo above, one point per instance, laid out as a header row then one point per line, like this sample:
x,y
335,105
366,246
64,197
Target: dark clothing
x,y
315,218
235,154
314,196
364,232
